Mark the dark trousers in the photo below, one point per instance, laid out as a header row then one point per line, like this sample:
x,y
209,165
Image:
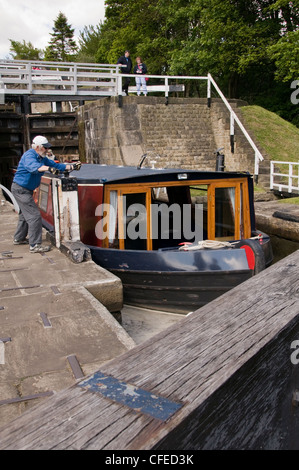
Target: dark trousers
x,y
126,84
30,221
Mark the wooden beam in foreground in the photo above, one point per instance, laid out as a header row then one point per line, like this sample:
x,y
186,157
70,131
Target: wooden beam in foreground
x,y
225,377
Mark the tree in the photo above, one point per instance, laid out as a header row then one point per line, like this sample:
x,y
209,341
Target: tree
x,y
24,51
89,40
285,53
62,46
230,37
145,27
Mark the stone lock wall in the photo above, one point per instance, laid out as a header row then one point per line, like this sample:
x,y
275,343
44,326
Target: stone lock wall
x,y
185,133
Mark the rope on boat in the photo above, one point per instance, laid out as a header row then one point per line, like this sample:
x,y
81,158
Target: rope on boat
x,y
214,244
211,244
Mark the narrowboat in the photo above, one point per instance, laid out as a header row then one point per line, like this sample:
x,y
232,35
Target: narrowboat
x,y
176,238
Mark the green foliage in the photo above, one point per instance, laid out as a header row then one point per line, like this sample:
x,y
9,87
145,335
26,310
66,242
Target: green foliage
x,y
88,42
285,53
223,37
62,46
24,51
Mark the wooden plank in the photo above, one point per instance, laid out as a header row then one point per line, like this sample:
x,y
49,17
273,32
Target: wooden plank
x,y
159,88
9,130
227,363
58,98
9,145
53,130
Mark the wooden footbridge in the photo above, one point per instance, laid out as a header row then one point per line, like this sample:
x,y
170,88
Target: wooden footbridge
x,y
73,81
224,377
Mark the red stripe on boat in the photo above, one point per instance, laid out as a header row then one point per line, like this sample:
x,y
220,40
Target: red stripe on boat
x,y
250,256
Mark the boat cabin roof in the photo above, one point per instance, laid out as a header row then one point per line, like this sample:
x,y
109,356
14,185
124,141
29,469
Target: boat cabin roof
x,y
107,174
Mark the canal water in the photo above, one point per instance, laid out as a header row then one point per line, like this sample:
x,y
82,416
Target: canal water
x,y
282,247
141,324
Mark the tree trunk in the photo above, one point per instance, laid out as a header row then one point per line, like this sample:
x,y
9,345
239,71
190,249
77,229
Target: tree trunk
x,y
233,83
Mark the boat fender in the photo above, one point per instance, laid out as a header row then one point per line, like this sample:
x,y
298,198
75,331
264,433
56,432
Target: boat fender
x,y
254,253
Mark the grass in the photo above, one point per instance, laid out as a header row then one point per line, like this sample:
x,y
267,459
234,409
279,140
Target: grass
x,y
290,200
259,189
276,136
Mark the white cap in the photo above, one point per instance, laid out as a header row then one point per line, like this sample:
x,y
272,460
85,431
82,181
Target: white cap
x,y
41,140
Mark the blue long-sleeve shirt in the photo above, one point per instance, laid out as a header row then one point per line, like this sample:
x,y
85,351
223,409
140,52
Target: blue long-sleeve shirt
x,y
27,174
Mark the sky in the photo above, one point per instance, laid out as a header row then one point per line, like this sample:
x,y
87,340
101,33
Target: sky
x,y
33,20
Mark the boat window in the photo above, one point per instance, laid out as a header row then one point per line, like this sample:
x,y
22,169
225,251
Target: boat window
x,y
225,202
199,195
43,197
135,221
241,220
160,194
177,216
113,235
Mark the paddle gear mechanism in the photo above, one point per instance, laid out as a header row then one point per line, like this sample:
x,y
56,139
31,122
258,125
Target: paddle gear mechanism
x,y
76,166
54,171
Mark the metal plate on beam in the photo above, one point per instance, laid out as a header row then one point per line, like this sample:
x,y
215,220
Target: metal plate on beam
x,y
129,395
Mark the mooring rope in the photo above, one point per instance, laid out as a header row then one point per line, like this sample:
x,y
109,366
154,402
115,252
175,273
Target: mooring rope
x,y
214,244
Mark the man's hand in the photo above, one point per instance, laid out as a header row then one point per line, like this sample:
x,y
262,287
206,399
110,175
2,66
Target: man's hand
x,y
43,168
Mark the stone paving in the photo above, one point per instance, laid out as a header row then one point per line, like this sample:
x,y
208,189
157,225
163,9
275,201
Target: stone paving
x,y
51,318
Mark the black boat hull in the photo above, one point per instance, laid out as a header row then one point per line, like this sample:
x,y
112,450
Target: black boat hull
x,y
177,292
174,281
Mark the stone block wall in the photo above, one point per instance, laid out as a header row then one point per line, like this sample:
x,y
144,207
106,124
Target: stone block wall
x,y
185,133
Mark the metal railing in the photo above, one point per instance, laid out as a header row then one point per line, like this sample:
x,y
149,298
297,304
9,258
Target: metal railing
x,y
287,175
77,79
234,119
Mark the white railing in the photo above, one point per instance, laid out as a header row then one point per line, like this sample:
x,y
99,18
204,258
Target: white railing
x,y
167,87
59,78
76,79
234,119
287,174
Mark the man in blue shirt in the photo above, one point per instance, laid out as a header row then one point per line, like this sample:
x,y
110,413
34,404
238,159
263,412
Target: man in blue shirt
x,y
28,176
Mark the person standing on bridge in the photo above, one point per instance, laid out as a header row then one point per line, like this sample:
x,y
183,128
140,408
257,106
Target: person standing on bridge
x,y
28,176
141,69
125,60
